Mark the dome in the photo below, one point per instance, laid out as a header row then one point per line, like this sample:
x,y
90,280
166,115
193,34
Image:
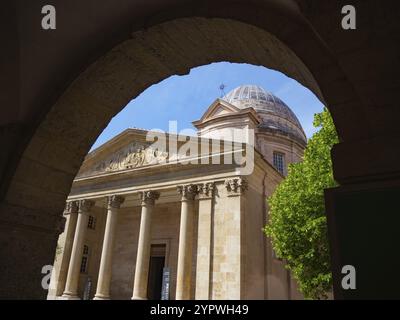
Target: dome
x,y
275,114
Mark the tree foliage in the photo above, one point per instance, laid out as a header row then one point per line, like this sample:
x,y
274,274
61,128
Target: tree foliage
x,y
297,223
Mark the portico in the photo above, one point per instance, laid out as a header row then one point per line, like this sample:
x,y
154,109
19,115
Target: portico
x,y
187,242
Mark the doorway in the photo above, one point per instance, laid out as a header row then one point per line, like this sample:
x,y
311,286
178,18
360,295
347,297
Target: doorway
x,y
157,263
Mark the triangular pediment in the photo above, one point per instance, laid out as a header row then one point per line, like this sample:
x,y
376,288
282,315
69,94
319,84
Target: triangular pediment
x,y
128,150
216,109
219,110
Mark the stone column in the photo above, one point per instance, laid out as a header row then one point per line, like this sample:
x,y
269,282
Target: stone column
x,y
185,251
104,280
71,211
143,253
204,235
71,288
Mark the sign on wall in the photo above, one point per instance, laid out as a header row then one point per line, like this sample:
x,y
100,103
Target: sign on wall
x,y
165,284
88,287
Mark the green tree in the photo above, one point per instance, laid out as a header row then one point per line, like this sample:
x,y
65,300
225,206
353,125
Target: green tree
x,y
297,222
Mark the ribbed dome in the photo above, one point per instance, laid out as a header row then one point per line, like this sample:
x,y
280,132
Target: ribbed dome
x,y
275,114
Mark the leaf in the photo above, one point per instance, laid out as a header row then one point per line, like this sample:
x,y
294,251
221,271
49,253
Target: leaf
x,y
297,221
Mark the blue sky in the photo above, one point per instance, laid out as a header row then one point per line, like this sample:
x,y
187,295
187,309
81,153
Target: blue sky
x,y
186,98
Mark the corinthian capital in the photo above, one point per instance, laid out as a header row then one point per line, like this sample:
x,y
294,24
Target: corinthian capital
x,y
85,205
188,192
71,207
236,186
115,201
206,190
149,197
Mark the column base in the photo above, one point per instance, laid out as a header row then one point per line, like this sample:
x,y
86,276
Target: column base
x,y
67,296
101,297
138,298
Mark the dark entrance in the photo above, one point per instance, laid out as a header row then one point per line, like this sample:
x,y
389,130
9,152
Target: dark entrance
x,y
157,263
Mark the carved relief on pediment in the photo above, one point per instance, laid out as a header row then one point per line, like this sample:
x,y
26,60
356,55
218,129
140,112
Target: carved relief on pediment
x,y
132,156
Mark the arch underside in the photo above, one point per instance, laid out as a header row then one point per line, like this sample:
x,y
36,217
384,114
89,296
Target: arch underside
x,y
60,143
274,34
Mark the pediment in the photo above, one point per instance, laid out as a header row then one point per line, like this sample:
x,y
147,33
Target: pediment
x,y
126,151
217,109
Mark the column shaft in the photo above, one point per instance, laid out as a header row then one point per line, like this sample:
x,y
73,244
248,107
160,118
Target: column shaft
x,y
70,228
104,279
185,251
71,287
144,245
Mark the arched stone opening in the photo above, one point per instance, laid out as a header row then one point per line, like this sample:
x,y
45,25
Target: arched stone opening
x,y
36,193
60,143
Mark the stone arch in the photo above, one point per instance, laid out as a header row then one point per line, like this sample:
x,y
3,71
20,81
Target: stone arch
x,y
60,143
45,171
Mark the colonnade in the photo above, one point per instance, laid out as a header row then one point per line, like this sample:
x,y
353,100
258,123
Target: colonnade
x,y
79,214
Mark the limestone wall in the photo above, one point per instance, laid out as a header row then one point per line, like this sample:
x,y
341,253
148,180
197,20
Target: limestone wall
x,y
268,145
253,242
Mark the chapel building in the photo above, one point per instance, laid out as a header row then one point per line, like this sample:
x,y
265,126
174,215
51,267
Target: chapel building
x,y
172,217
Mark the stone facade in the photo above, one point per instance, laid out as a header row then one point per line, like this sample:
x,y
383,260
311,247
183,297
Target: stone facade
x,y
134,210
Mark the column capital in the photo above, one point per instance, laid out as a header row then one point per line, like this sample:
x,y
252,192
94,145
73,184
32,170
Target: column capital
x,y
206,190
71,207
236,186
85,205
115,201
149,197
188,192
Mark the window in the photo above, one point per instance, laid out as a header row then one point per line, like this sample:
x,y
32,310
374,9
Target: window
x,y
84,264
92,222
85,259
279,161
